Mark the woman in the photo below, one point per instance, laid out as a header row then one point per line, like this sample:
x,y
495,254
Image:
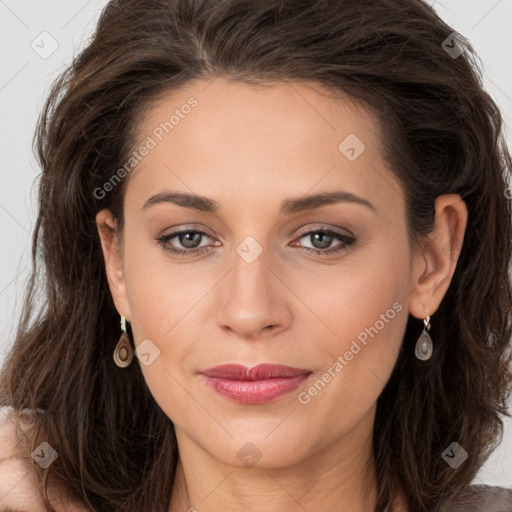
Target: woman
x,y
299,214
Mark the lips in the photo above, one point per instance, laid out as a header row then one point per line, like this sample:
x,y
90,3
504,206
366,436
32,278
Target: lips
x,y
259,384
259,372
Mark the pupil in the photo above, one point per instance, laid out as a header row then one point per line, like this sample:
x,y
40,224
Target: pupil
x,y
186,239
325,240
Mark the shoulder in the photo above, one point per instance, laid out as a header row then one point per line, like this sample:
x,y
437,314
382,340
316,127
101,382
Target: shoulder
x,y
480,498
17,484
19,489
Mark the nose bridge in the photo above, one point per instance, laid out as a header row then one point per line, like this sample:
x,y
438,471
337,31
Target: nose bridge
x,y
249,281
250,302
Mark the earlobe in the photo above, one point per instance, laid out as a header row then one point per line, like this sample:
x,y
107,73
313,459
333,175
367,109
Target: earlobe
x,y
435,264
113,260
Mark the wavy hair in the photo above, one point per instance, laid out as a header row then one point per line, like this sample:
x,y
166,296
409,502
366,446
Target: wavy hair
x,y
441,133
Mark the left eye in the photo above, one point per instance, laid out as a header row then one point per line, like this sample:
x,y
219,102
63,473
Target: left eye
x,y
190,241
323,238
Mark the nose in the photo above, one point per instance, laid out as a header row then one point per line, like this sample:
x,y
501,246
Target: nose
x,y
253,300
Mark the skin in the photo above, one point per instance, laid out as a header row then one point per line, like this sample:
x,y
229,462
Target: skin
x,y
249,149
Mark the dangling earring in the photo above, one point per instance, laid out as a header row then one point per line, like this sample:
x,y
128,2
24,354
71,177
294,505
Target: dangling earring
x,y
123,353
424,345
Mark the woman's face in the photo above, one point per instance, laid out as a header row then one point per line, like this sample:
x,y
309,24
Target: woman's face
x,y
267,285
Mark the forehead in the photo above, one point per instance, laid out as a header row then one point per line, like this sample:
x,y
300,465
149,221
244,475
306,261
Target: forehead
x,y
234,140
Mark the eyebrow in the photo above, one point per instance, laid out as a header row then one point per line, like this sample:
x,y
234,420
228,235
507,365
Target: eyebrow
x,y
289,206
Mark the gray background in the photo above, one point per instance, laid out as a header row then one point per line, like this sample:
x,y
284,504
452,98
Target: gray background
x,y
27,70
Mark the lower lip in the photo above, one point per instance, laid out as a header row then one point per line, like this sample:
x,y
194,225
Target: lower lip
x,y
255,391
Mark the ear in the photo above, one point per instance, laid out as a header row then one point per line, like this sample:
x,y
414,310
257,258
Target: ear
x,y
435,263
112,253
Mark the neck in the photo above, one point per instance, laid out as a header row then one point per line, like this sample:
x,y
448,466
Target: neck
x,y
338,477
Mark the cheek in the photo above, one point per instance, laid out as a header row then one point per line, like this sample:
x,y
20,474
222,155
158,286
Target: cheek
x,y
366,313
160,292
165,299
160,301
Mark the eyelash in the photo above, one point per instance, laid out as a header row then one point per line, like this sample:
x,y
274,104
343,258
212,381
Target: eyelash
x,y
346,239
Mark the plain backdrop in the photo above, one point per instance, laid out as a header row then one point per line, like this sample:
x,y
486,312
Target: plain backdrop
x,y
39,37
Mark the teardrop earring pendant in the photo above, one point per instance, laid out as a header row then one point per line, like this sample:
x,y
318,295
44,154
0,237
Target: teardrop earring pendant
x,y
123,353
424,346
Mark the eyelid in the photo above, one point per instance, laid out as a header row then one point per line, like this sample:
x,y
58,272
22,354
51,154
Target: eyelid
x,y
338,231
177,230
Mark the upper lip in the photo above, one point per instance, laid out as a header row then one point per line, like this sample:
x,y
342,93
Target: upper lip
x,y
258,372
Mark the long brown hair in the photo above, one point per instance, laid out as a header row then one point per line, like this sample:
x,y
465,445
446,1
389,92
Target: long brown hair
x,y
441,133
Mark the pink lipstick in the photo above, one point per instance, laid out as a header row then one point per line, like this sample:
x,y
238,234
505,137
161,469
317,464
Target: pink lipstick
x,y
259,384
